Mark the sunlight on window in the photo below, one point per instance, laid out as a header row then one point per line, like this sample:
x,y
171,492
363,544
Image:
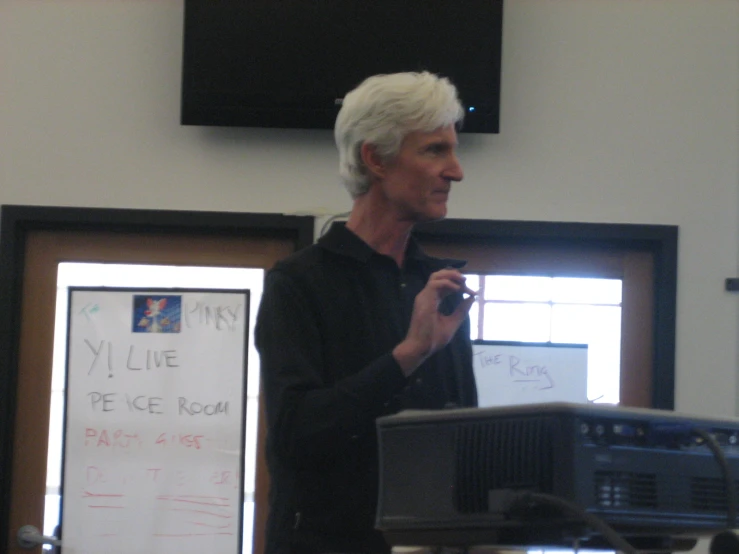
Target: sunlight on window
x,y
560,310
516,322
517,287
150,277
473,282
474,318
586,291
600,328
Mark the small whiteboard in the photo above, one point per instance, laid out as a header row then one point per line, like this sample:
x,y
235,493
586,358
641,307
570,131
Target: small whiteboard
x,y
510,373
154,421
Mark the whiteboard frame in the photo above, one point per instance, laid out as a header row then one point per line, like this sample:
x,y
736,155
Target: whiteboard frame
x,y
527,344
246,296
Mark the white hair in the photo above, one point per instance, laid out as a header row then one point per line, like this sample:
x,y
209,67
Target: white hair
x,y
382,110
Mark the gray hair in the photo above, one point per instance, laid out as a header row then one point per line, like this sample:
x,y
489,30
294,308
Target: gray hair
x,y
382,110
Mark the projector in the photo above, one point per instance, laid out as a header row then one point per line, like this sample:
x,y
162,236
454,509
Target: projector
x,y
465,477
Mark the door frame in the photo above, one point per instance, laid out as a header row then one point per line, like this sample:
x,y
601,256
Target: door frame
x,y
661,241
17,221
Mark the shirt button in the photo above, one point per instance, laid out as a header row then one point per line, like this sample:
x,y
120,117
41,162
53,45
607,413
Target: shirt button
x,y
402,285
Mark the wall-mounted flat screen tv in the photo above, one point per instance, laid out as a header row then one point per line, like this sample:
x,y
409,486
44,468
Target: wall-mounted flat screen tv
x,y
288,63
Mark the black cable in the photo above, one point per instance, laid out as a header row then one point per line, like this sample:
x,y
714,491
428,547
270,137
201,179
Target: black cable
x,y
725,542
613,538
718,453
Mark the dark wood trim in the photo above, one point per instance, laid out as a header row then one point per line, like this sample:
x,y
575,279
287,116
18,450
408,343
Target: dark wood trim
x,y
15,224
616,234
659,240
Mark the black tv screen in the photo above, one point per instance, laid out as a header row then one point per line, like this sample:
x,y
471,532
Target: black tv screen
x,y
288,63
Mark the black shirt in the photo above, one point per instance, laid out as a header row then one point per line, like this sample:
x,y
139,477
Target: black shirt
x,y
329,319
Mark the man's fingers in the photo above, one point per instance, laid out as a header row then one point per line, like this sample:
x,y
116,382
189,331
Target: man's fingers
x,y
448,285
466,304
463,308
449,273
450,323
468,290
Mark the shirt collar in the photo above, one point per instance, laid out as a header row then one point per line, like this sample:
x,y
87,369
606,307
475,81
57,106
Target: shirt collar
x,y
344,242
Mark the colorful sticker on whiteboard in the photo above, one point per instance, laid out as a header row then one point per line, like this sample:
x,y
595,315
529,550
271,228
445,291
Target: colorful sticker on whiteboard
x,y
156,313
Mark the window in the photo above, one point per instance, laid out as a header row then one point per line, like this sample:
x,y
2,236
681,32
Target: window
x,y
575,310
643,258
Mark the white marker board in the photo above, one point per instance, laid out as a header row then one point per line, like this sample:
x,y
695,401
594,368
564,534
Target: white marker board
x,y
509,373
154,421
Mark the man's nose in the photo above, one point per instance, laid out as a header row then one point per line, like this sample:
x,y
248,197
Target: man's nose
x,y
454,172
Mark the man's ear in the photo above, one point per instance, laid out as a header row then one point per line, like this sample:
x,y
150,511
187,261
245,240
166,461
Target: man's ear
x,y
372,160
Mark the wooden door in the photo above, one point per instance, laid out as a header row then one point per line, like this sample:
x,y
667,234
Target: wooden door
x,y
44,251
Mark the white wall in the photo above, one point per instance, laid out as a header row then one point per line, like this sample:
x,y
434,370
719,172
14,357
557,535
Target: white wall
x,y
612,111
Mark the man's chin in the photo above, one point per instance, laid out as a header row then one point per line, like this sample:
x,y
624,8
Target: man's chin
x,y
430,218
437,215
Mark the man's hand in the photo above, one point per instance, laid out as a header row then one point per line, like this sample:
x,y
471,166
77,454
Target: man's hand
x,y
430,330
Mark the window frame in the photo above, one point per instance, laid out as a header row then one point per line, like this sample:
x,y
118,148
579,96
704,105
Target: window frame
x,y
660,241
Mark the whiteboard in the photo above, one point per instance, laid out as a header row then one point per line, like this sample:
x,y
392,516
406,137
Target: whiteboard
x,y
510,373
154,421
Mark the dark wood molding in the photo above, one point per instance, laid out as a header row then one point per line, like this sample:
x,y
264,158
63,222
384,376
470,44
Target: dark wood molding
x,y
15,224
660,240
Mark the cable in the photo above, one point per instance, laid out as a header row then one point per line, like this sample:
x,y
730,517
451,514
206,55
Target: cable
x,y
725,542
718,453
613,538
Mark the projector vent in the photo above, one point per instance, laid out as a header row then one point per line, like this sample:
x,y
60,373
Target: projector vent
x,y
708,494
622,489
508,454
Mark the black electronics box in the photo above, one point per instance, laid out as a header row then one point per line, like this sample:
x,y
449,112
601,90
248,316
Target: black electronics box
x,y
648,474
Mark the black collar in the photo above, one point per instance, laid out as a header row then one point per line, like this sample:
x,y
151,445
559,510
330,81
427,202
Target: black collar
x,y
344,242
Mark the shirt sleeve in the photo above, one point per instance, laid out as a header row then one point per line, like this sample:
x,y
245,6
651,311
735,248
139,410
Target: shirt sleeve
x,y
309,421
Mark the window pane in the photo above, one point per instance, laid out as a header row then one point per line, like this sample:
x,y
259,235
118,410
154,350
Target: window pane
x,y
248,537
473,282
56,432
527,322
600,328
586,291
517,287
250,461
474,319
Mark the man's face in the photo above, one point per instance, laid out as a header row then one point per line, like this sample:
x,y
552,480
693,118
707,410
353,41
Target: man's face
x,y
416,183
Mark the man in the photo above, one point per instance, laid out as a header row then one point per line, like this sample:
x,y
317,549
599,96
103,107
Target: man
x,y
363,323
